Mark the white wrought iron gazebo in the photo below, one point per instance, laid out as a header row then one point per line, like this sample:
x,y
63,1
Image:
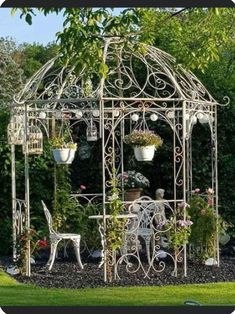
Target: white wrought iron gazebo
x,y
142,86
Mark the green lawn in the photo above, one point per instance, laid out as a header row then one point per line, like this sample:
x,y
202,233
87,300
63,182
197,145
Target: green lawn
x,y
13,293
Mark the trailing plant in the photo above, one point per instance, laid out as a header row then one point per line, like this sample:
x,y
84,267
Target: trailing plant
x,y
115,227
143,138
206,223
65,207
69,214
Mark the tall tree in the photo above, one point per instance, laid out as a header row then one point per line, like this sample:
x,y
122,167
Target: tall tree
x,y
31,57
10,72
195,36
10,82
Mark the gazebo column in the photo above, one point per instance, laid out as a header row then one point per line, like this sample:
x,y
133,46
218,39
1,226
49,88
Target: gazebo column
x,y
104,189
185,178
27,200
13,197
214,185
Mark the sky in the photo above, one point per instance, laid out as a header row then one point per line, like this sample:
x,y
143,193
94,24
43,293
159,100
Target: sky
x,y
42,30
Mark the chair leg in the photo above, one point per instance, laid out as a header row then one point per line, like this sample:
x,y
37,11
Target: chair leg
x,y
65,248
147,244
53,253
76,243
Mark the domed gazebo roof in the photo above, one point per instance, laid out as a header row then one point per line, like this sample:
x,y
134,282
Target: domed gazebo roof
x,y
142,73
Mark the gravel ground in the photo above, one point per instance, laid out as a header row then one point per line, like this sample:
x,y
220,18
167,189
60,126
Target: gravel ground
x,y
67,274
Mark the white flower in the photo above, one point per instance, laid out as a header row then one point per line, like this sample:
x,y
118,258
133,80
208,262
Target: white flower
x,y
210,191
113,197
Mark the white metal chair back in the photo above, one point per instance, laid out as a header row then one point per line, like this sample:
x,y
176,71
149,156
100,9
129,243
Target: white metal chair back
x,y
145,216
48,218
144,207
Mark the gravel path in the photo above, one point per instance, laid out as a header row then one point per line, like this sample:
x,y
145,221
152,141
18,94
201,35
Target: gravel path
x,y
67,274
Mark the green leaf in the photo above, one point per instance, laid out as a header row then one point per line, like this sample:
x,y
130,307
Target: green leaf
x,y
28,19
103,69
13,11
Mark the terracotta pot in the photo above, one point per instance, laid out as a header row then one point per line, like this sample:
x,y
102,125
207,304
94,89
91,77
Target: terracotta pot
x,y
144,153
132,194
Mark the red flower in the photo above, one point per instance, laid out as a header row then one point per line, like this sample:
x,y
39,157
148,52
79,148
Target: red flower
x,y
42,243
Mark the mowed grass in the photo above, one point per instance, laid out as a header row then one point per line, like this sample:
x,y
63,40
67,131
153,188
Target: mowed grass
x,y
14,293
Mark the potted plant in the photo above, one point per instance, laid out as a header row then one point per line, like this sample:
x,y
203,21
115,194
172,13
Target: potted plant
x,y
63,152
133,183
145,143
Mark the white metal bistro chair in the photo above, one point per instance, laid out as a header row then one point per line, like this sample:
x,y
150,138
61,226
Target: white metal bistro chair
x,y
56,237
147,210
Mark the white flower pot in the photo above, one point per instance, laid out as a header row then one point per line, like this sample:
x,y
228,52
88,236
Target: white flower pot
x,y
144,153
64,155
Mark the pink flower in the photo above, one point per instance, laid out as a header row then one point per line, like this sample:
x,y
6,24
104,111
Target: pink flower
x,y
210,202
183,205
82,187
197,190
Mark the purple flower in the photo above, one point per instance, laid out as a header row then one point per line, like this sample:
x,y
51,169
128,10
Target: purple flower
x,y
182,223
185,223
183,205
161,224
189,223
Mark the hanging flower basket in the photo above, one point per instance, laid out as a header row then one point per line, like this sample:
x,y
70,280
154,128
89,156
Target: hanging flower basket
x,y
145,143
63,153
144,153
